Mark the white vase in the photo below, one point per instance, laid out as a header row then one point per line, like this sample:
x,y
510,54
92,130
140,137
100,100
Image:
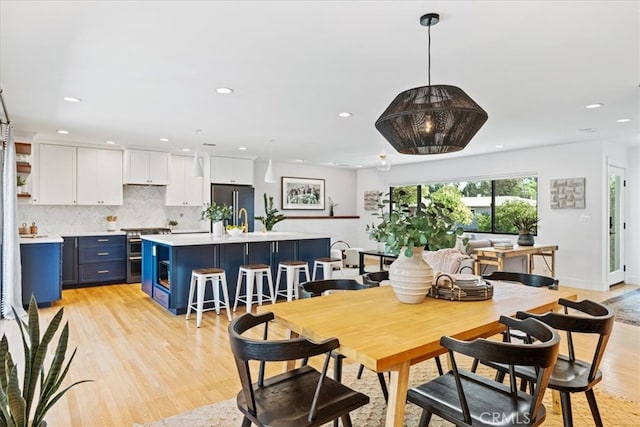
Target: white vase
x,y
411,277
380,246
218,229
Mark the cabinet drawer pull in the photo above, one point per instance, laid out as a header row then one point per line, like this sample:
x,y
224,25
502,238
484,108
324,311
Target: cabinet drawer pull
x,y
103,253
103,240
102,271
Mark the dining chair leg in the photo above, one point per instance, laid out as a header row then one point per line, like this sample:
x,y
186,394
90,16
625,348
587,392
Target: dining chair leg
x,y
360,371
425,418
474,365
567,416
383,386
439,366
346,420
246,422
593,405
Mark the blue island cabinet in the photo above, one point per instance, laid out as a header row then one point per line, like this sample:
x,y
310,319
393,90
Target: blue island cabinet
x,y
41,272
166,269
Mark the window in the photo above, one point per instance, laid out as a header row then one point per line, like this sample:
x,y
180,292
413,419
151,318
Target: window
x,y
489,205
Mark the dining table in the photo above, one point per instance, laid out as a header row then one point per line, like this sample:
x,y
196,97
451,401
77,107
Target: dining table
x,y
385,335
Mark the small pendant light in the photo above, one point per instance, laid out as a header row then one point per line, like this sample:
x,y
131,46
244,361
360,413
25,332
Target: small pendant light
x,y
196,167
269,177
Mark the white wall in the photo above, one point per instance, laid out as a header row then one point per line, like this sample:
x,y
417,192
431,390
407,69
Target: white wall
x,y
632,237
578,232
340,185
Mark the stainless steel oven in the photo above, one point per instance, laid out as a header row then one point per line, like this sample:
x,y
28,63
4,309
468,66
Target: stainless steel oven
x,y
134,250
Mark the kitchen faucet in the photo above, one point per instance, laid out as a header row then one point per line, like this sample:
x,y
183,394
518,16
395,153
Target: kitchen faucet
x,y
244,224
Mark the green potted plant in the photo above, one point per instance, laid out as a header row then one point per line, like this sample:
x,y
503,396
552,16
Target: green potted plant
x,y
271,215
216,214
526,224
21,183
172,224
26,408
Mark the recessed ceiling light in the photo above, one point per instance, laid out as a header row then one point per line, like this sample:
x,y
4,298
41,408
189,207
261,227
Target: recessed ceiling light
x,y
186,150
344,114
164,139
596,105
72,99
242,148
224,90
298,160
358,166
499,146
587,130
110,142
62,131
623,120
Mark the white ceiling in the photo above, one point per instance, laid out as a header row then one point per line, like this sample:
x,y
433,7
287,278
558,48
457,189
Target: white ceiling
x,y
149,69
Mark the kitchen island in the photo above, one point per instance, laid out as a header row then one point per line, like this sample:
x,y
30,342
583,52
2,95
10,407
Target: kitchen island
x,y
41,274
167,260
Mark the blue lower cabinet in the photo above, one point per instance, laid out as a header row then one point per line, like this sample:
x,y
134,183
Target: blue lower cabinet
x,y
166,269
41,272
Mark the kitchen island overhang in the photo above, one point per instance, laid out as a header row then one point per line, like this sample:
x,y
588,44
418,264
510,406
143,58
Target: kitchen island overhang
x,y
167,260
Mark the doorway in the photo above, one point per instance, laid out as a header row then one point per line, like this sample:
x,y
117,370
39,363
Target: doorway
x,y
616,211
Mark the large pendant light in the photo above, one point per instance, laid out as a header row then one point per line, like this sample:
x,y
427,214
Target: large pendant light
x,y
431,119
196,167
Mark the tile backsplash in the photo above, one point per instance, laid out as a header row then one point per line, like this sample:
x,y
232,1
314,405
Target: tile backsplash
x,y
143,206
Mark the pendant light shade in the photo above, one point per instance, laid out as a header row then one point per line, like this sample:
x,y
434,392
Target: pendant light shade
x,y
431,119
383,163
196,167
269,177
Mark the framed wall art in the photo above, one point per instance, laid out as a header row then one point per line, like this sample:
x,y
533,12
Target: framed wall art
x,y
302,193
568,193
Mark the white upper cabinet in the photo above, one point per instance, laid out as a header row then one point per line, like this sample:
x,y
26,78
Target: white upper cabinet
x,y
56,174
183,189
146,167
225,170
99,177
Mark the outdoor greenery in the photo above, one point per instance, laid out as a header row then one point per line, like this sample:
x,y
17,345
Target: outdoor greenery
x,y
511,217
271,216
479,196
26,408
215,212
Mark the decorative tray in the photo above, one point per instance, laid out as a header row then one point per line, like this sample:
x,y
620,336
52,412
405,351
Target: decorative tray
x,y
448,289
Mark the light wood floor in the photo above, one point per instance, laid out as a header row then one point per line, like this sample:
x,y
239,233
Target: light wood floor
x,y
148,364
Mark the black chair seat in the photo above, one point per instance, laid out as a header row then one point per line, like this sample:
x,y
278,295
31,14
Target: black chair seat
x,y
317,288
488,401
374,278
285,399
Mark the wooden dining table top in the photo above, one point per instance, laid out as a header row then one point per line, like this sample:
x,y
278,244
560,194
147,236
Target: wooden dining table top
x,y
383,334
377,330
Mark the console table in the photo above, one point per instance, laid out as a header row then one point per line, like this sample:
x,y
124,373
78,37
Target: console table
x,y
494,256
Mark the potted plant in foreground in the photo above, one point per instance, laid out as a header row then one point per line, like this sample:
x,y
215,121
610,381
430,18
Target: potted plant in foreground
x,y
26,408
216,214
271,215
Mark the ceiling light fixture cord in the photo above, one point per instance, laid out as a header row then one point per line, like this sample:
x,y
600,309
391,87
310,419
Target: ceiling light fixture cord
x,y
429,52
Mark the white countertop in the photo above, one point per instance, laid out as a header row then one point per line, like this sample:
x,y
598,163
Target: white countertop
x,y
40,238
208,239
94,233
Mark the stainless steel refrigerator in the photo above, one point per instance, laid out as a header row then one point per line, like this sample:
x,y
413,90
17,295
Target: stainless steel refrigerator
x,y
236,196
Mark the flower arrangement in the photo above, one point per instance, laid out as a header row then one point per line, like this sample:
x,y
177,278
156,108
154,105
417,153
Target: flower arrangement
x,y
215,212
271,216
332,205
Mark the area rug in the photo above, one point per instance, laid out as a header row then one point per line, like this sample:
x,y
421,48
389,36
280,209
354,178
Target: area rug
x,y
615,411
626,307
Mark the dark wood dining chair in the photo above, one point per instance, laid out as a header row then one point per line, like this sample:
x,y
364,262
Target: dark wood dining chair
x,y
375,277
301,396
571,375
466,398
535,280
322,287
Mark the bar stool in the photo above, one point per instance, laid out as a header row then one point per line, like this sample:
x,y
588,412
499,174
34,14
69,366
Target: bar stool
x,y
253,273
292,269
327,265
199,279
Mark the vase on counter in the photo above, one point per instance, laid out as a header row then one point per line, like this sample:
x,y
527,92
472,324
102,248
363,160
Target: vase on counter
x,y
218,229
411,277
111,226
